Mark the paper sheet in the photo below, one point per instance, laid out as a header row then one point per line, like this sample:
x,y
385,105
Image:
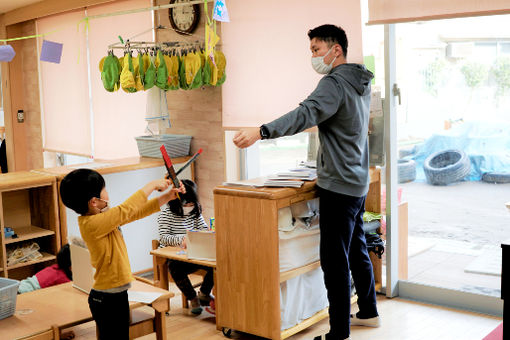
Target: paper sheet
x,y
93,165
144,297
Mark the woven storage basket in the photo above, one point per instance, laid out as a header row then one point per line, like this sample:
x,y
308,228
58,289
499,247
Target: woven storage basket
x,y
176,145
8,293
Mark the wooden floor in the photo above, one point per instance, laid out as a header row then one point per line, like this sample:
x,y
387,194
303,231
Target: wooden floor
x,y
401,320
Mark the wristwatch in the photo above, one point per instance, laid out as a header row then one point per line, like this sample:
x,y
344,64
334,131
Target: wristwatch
x,y
264,133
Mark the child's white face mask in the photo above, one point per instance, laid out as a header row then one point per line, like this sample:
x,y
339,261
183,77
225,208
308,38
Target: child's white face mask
x,y
106,207
187,210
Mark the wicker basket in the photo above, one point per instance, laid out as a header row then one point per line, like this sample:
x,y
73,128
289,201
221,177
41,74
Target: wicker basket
x,y
8,293
176,145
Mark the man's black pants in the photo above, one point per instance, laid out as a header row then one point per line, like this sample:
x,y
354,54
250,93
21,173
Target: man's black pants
x,y
343,248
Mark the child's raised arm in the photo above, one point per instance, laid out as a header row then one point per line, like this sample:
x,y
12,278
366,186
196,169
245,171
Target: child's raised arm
x,y
162,185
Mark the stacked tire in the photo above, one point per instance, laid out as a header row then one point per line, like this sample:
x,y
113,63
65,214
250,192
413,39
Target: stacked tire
x,y
496,177
446,167
406,170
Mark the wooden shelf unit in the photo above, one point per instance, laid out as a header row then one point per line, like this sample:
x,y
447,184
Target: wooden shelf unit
x,y
28,233
45,257
247,256
28,205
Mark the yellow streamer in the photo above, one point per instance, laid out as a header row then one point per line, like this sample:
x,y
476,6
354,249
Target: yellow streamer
x,y
31,36
87,27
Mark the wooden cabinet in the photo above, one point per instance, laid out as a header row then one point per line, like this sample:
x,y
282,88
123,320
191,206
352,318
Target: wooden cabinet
x,y
28,205
247,256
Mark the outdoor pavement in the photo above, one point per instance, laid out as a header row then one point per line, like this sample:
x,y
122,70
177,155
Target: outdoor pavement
x,y
455,234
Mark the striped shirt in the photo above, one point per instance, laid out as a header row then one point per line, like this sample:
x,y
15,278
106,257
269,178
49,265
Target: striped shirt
x,y
172,228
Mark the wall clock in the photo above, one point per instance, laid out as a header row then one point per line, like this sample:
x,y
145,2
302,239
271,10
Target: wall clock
x,y
184,19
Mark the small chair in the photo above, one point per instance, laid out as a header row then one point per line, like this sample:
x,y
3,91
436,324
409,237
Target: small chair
x,y
163,270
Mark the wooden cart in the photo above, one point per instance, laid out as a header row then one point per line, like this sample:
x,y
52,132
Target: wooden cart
x,y
247,256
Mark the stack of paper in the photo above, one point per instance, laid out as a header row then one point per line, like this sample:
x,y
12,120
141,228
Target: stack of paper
x,y
309,164
283,183
302,174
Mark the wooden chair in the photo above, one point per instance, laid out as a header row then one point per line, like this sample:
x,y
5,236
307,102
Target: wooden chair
x,y
160,270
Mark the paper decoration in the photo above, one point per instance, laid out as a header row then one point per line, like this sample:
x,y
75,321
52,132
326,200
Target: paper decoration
x,y
6,53
51,51
220,12
211,40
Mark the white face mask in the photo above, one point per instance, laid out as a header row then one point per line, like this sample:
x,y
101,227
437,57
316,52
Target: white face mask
x,y
187,210
319,66
107,206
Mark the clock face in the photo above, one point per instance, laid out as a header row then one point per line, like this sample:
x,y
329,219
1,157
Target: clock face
x,y
184,18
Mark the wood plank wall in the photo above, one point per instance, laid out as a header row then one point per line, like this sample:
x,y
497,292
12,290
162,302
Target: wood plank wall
x,y
24,93
197,113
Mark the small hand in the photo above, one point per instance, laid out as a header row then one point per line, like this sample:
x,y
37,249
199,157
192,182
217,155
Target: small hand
x,y
246,137
162,184
183,244
174,192
182,188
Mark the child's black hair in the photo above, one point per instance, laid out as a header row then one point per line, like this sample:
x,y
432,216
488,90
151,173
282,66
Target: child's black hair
x,y
78,187
191,196
64,260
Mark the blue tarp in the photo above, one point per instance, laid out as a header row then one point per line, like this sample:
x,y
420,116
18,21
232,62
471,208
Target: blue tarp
x,y
486,143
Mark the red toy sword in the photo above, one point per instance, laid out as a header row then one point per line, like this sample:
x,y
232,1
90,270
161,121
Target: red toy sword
x,y
170,168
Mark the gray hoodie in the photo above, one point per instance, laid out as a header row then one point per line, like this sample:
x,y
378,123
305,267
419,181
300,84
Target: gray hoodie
x,y
339,106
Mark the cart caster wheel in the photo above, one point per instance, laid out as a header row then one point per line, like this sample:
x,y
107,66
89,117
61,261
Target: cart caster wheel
x,y
227,332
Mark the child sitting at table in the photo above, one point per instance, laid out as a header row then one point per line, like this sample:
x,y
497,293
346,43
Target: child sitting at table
x,y
55,274
178,217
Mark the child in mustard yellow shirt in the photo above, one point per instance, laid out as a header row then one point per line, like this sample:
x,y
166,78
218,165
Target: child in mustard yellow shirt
x,y
84,191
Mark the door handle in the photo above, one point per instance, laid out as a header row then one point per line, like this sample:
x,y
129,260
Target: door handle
x,y
396,92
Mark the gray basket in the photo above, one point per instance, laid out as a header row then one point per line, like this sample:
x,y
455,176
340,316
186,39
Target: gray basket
x,y
176,145
8,293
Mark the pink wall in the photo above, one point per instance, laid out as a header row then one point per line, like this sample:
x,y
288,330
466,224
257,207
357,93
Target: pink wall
x,y
118,116
268,54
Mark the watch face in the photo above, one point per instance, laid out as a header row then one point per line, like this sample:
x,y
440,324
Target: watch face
x,y
183,18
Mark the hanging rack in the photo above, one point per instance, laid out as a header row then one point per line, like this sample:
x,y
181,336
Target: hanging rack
x,y
134,45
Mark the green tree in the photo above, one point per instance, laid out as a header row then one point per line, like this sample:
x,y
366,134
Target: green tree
x,y
434,76
501,73
474,74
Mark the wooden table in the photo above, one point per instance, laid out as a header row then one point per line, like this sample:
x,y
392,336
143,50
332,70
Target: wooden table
x,y
43,313
162,255
174,253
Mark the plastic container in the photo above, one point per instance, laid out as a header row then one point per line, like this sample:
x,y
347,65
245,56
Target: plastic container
x,y
8,293
176,145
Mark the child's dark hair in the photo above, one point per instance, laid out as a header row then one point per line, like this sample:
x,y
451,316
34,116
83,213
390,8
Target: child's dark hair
x,y
331,35
191,196
64,260
78,187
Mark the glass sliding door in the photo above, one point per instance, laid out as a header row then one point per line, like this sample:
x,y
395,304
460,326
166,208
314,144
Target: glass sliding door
x,y
453,137
446,86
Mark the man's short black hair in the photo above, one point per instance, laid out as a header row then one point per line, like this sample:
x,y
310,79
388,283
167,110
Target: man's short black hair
x,y
78,187
331,35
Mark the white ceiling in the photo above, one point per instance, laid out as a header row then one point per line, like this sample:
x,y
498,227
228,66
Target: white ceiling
x,y
9,5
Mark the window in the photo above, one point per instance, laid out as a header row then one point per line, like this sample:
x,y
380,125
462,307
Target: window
x,y
80,117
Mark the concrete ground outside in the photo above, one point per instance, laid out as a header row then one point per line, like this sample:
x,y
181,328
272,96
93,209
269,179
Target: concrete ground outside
x,y
455,234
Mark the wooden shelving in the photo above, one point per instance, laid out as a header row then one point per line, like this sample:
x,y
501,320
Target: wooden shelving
x,y
28,205
28,233
289,274
45,257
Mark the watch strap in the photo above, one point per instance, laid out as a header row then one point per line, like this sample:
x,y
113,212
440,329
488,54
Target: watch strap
x,y
264,132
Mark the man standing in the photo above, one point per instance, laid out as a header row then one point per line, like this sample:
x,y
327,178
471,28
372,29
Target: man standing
x,y
339,107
